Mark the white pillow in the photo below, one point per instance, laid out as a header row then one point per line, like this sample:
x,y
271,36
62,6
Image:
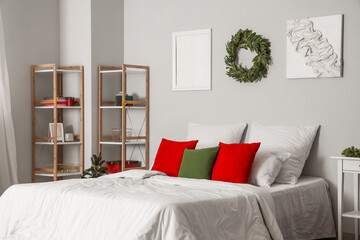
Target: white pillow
x,y
266,167
296,140
209,135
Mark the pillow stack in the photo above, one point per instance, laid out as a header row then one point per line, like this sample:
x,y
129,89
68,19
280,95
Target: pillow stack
x,y
217,154
283,152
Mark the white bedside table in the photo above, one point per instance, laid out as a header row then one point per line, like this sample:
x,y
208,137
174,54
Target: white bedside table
x,y
348,165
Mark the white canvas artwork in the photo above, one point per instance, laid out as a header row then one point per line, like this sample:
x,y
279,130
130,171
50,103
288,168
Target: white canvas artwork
x,y
314,47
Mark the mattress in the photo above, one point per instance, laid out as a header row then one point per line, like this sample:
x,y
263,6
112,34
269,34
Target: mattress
x,y
304,210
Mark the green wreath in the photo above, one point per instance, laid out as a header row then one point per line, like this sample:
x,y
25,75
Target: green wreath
x,y
248,39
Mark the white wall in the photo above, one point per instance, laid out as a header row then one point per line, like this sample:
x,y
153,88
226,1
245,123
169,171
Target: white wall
x,y
75,49
31,30
33,36
91,34
333,103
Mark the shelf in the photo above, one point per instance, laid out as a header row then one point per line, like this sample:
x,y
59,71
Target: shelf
x,y
112,103
345,158
44,102
47,174
352,214
58,70
132,142
59,143
131,168
138,143
353,172
54,75
133,70
120,107
62,107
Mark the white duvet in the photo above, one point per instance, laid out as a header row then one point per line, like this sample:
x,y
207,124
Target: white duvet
x,y
157,207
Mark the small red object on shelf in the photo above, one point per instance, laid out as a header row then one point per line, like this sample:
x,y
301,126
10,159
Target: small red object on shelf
x,y
61,101
115,166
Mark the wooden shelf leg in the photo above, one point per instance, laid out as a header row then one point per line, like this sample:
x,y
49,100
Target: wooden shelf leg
x,y
123,119
147,143
82,120
60,119
55,115
100,109
33,121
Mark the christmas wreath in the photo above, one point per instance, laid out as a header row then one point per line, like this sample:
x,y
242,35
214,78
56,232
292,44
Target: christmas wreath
x,y
248,40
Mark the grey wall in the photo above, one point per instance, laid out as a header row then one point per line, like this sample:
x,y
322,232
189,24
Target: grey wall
x,y
107,35
65,32
333,103
31,30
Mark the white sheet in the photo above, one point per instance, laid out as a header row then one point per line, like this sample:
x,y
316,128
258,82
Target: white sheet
x,y
158,207
304,210
135,174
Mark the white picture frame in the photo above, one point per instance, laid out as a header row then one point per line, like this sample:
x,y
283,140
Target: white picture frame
x,y
192,52
60,131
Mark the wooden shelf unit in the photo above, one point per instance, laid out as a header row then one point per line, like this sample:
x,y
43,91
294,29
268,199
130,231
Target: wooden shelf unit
x,y
137,105
57,78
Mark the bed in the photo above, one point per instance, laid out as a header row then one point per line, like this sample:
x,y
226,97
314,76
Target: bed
x,y
160,207
304,210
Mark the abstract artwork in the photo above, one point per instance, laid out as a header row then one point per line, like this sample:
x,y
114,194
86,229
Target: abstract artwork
x,y
314,47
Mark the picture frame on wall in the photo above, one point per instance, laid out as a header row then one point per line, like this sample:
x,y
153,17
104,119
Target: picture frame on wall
x,y
60,131
314,47
192,60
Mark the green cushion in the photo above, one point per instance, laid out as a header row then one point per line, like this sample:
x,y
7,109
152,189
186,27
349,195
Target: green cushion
x,y
198,163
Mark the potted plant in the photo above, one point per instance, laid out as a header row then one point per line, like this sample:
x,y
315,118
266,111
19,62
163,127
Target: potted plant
x,y
97,169
351,152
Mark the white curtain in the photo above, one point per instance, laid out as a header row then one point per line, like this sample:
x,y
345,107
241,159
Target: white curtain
x,y
8,165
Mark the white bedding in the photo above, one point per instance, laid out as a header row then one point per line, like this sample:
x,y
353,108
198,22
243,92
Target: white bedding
x,y
157,207
304,210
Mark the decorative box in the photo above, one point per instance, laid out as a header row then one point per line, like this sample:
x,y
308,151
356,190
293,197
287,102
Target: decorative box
x,y
118,99
115,166
61,101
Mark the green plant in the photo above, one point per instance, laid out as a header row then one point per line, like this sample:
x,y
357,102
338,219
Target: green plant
x,y
97,169
351,152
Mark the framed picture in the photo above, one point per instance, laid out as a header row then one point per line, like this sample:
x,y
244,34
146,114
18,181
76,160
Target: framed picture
x,y
314,47
192,60
60,131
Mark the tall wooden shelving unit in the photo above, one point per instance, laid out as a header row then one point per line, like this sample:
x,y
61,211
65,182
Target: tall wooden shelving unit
x,y
137,105
57,79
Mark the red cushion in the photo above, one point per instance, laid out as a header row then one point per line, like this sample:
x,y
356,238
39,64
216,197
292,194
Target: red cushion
x,y
234,162
169,156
